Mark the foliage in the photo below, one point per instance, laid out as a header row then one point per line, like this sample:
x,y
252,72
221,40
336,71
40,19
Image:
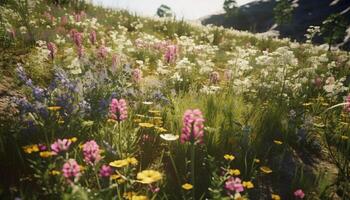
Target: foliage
x,y
283,12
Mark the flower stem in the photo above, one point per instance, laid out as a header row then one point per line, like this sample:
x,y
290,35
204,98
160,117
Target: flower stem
x,y
97,179
192,170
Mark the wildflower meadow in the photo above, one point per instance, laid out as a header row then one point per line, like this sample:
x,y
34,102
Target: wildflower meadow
x,y
105,104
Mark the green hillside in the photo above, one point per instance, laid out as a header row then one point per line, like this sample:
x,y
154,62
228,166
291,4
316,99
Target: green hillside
x,y
103,104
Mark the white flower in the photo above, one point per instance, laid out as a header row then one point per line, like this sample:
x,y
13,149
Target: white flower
x,y
169,137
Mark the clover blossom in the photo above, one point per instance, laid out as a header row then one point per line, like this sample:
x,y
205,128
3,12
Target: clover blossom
x,y
118,109
234,185
299,194
60,145
91,152
192,130
106,171
71,169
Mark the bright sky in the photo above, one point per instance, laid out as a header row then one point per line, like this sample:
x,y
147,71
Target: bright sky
x,y
189,9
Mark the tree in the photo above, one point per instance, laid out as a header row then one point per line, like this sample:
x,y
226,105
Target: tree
x,y
230,6
164,11
333,29
283,12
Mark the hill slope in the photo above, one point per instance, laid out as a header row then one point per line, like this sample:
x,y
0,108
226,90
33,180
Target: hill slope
x,y
258,17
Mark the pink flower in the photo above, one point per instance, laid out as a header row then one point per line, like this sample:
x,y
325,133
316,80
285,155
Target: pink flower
x,y
60,145
91,152
53,49
214,77
347,106
80,51
193,126
102,52
299,194
105,171
12,32
170,54
77,37
137,75
118,109
234,185
71,169
42,147
92,37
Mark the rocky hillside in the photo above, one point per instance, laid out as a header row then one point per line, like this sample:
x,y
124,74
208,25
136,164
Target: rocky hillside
x,y
258,17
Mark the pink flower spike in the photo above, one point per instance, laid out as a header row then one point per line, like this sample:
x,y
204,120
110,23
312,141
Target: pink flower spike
x,y
91,152
106,171
60,145
193,127
118,110
93,37
234,185
299,194
53,50
71,169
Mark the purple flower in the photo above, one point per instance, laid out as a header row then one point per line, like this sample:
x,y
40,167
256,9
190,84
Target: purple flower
x,y
91,152
118,109
193,126
106,171
42,147
71,169
299,194
60,145
234,185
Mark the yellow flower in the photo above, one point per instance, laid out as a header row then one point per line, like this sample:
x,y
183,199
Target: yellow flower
x,y
146,125
137,120
234,172
82,167
187,186
256,160
55,172
248,184
275,197
266,169
119,163
161,129
229,157
149,176
129,195
114,176
154,111
147,103
30,148
46,154
54,108
307,104
73,139
344,137
278,142
132,161
111,121
139,197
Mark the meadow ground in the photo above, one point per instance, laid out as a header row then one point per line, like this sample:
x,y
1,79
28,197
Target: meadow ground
x,y
104,104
